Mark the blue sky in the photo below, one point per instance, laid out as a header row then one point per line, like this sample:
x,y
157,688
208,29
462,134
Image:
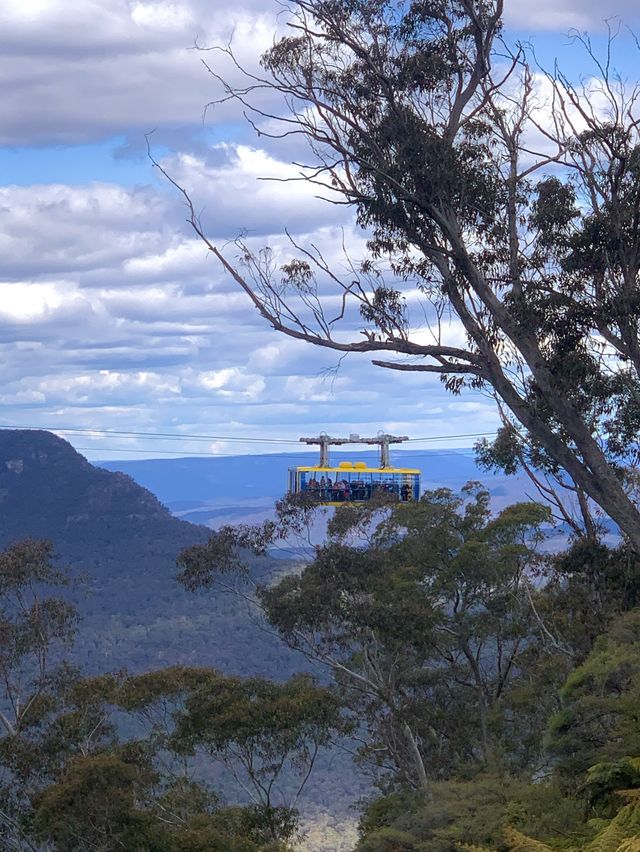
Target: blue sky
x,y
113,318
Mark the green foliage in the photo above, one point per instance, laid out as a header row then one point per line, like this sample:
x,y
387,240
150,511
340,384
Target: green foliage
x,y
604,780
475,813
623,827
225,552
217,834
426,628
103,762
447,636
94,805
599,717
261,730
35,626
389,840
517,842
589,809
257,714
221,550
440,642
383,811
106,802
553,210
96,788
593,585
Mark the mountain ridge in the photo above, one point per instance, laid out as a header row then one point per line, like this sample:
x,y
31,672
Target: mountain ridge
x,y
47,487
124,541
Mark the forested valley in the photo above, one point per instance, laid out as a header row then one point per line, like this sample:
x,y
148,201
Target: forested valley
x,y
487,686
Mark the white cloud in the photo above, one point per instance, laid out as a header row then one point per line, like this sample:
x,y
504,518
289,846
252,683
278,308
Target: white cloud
x,y
251,192
113,66
26,302
57,229
113,315
125,323
549,15
117,66
179,258
161,16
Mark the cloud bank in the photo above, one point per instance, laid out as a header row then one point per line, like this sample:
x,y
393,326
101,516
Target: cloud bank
x,y
113,316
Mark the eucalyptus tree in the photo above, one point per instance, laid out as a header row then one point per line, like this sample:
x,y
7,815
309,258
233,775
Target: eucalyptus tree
x,y
429,628
145,790
502,206
37,627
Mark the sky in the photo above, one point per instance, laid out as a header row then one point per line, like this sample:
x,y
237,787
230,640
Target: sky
x,y
116,326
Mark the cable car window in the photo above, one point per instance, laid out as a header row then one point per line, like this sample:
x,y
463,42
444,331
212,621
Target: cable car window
x,y
354,482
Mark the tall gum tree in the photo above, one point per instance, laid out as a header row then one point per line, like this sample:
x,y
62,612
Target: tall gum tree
x,y
507,197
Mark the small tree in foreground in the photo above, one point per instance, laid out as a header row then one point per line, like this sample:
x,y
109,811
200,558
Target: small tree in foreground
x,y
121,761
492,193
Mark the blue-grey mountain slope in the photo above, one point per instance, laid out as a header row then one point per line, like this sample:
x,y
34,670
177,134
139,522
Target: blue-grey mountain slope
x,y
125,542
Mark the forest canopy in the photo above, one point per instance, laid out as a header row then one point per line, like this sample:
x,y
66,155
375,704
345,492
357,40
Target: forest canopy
x,y
487,686
138,762
491,687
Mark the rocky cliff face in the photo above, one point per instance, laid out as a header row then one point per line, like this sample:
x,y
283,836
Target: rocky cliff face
x,y
46,486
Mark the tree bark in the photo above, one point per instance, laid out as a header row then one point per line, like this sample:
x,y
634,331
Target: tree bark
x,y
417,760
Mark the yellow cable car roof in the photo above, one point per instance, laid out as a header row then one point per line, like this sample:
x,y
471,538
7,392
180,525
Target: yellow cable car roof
x,y
352,469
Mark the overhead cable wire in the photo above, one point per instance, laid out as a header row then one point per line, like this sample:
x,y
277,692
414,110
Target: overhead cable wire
x,y
166,436
452,437
187,453
174,436
450,451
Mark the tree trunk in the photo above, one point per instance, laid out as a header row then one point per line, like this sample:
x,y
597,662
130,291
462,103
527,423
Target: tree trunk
x,y
591,471
418,763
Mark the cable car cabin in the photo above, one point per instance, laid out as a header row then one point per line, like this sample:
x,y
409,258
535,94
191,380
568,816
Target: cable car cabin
x,y
354,482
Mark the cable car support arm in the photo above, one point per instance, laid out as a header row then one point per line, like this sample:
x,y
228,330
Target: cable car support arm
x,y
381,440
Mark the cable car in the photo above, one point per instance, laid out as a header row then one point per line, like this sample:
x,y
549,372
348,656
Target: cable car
x,y
354,482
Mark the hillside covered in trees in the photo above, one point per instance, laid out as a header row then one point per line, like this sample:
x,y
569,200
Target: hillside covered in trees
x,y
490,688
122,545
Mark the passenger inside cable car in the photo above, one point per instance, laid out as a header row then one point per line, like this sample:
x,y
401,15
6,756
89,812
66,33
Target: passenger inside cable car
x,y
356,485
354,482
